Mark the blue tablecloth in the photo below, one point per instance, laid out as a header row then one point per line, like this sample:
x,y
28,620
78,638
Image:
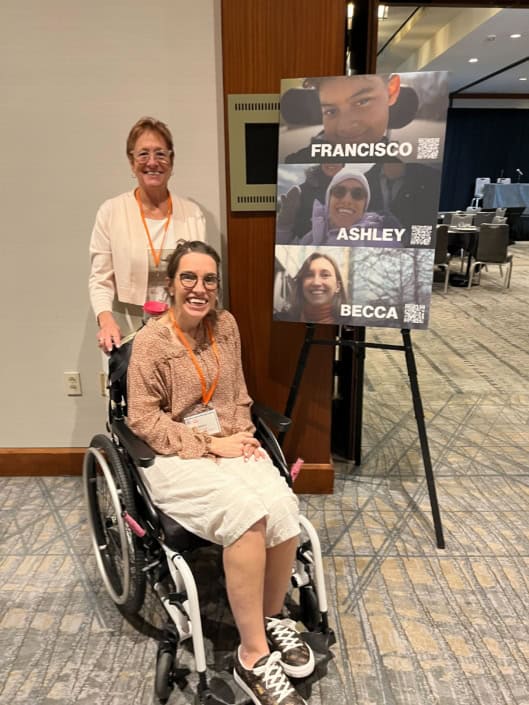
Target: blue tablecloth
x,y
505,195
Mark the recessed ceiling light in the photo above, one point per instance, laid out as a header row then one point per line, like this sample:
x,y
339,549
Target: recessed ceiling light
x,y
523,78
515,36
473,61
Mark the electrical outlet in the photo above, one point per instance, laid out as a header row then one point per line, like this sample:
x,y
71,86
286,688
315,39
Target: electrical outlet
x,y
103,384
72,382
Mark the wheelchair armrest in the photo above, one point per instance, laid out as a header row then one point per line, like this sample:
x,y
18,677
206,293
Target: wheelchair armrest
x,y
141,454
271,417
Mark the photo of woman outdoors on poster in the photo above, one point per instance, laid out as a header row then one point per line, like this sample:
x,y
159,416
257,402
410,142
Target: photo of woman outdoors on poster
x,y
314,293
345,205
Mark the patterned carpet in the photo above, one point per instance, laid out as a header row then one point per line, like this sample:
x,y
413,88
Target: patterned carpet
x,y
415,625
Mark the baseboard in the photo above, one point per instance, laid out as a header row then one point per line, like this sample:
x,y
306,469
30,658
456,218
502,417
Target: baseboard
x,y
41,461
313,478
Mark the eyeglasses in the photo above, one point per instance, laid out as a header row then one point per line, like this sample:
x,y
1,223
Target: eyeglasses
x,y
189,280
357,193
160,155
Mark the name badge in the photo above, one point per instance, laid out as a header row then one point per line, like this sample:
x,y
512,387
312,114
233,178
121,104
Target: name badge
x,y
205,421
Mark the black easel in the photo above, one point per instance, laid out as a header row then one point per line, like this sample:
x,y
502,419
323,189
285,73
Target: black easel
x,y
358,344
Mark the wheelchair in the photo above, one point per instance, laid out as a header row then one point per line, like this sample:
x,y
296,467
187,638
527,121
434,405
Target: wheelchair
x,y
137,547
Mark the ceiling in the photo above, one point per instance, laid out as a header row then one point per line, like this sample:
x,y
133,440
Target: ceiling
x,y
445,38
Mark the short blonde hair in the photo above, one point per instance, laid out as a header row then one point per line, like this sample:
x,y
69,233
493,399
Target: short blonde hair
x,y
149,124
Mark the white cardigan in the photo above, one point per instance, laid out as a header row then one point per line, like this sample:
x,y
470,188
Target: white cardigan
x,y
119,265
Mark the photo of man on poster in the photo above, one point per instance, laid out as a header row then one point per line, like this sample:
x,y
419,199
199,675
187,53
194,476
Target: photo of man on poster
x,y
362,118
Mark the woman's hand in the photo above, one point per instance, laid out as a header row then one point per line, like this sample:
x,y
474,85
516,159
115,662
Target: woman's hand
x,y
235,446
252,451
109,333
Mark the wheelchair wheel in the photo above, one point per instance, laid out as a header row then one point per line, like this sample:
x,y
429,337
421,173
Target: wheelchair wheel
x,y
163,680
119,553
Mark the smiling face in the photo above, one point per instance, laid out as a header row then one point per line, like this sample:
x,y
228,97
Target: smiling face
x,y
356,108
320,284
193,301
347,203
156,171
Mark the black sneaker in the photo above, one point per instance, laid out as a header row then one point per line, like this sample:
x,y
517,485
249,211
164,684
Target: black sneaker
x,y
297,658
266,683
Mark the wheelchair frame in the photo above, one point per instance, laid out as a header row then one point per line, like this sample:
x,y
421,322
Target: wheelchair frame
x,y
134,542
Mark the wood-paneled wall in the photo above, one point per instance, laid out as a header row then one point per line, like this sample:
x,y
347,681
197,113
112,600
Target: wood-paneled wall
x,y
264,41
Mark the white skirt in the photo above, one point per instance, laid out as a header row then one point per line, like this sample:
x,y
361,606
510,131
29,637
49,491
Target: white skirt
x,y
220,499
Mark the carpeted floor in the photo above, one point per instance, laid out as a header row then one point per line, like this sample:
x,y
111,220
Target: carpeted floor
x,y
415,625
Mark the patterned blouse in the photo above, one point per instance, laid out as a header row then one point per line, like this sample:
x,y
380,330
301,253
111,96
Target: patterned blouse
x,y
164,387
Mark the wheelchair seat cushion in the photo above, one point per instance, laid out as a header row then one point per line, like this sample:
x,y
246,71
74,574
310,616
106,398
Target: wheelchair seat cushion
x,y
176,536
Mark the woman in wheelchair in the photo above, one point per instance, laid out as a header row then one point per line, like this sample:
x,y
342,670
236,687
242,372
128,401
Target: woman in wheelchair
x,y
188,400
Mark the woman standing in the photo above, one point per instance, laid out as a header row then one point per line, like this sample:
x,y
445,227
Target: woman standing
x,y
133,234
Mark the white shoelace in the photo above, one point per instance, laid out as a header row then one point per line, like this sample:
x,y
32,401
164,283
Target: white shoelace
x,y
284,630
274,677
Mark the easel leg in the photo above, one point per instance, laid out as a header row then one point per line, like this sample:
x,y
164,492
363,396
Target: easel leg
x,y
358,392
421,426
300,368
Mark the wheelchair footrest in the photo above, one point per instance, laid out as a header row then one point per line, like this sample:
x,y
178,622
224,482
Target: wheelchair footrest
x,y
217,692
320,641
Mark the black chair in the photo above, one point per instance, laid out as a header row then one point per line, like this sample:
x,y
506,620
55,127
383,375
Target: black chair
x,y
442,256
136,545
513,216
492,248
460,219
483,217
460,243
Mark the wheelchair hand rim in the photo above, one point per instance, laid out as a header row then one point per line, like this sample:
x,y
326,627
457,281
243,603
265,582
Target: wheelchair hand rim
x,y
119,599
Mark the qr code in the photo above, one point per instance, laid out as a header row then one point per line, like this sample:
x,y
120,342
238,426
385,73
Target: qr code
x,y
428,148
421,235
414,313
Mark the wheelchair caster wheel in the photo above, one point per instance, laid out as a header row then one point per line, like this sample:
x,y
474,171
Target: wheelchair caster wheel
x,y
163,681
310,610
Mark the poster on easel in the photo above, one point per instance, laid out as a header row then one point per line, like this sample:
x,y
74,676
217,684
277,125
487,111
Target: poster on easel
x,y
359,176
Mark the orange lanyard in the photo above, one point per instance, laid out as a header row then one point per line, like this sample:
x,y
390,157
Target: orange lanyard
x,y
155,255
206,393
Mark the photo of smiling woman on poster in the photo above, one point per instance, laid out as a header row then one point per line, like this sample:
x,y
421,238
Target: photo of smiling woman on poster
x,y
346,206
314,294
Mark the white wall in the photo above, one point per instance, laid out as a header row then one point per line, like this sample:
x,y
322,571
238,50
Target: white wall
x,y
75,76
